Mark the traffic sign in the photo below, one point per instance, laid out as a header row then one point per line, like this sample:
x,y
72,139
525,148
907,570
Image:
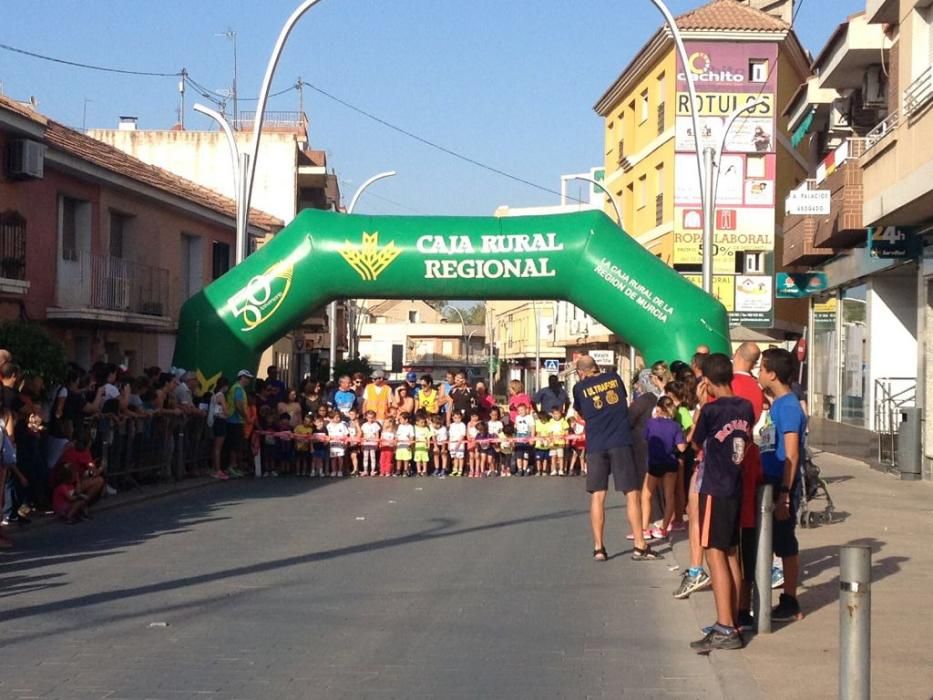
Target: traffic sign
x,y
552,366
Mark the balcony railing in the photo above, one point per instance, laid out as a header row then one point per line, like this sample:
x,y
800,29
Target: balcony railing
x,y
660,119
12,246
919,92
90,280
659,209
443,360
274,119
877,134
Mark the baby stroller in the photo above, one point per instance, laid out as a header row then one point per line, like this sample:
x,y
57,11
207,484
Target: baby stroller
x,y
814,489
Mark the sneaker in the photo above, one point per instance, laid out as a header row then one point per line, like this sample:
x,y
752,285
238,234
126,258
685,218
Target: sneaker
x,y
658,533
677,526
744,621
111,491
717,640
777,577
219,475
787,610
690,584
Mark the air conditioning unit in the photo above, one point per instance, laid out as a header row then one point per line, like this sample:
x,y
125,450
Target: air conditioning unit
x,y
873,88
840,116
26,159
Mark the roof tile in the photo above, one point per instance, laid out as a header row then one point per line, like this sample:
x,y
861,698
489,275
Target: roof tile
x,y
730,15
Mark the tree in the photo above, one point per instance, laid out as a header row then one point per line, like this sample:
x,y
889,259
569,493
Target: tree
x,y
33,350
472,315
352,366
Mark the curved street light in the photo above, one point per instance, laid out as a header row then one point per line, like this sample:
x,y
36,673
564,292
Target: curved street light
x,y
332,307
615,204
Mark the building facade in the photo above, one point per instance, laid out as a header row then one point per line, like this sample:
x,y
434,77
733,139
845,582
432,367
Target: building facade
x,y
864,121
101,248
737,55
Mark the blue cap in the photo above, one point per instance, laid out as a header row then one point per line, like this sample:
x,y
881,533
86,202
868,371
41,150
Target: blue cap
x,y
412,377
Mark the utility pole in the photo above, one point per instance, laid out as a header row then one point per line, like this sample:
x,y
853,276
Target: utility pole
x,y
708,213
181,92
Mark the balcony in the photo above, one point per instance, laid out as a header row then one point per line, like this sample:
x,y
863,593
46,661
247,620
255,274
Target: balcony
x,y
436,359
799,248
102,288
919,93
843,227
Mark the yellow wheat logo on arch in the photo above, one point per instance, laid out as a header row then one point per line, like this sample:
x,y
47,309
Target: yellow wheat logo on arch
x,y
368,259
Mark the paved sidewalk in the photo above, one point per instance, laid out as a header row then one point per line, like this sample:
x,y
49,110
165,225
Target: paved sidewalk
x,y
801,660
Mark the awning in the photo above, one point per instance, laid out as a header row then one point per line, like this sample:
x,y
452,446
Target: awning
x,y
801,131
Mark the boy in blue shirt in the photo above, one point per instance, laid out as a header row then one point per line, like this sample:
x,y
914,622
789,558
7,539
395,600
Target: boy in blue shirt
x,y
781,449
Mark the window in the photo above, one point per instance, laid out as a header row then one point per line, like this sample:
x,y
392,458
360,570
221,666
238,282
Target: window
x,y
119,228
413,317
642,191
758,70
447,348
750,263
74,221
854,356
12,246
644,106
192,265
659,195
220,262
660,109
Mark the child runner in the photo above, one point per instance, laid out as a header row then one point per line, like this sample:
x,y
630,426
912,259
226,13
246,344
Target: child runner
x,y
284,445
404,439
303,445
781,449
422,443
665,443
557,428
337,436
387,448
319,451
478,459
683,414
542,443
353,440
441,456
524,437
456,436
723,430
506,449
494,426
488,449
68,502
578,456
472,446
370,432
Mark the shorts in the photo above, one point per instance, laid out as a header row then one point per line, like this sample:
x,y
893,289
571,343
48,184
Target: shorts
x,y
749,551
219,428
696,479
337,451
542,454
456,453
319,453
524,451
784,535
403,454
659,470
719,522
620,462
421,455
490,450
234,439
557,452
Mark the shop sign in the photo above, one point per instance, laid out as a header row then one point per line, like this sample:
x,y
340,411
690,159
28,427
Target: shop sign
x,y
808,203
722,104
797,285
604,358
893,242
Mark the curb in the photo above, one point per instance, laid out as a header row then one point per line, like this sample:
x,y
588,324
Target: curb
x,y
732,670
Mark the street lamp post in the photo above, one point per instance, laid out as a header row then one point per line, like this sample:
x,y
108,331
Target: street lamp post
x,y
332,307
705,204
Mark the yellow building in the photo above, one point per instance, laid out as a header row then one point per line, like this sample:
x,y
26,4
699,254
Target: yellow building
x,y
521,331
736,55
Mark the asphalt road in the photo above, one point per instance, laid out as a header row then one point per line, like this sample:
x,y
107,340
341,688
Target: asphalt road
x,y
360,588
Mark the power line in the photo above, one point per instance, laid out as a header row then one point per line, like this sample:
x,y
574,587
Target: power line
x,y
430,143
88,66
793,18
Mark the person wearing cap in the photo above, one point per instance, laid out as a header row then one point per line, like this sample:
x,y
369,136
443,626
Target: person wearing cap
x,y
236,419
376,396
184,393
410,383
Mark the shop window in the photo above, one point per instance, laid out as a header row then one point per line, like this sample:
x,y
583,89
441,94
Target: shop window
x,y
854,357
824,356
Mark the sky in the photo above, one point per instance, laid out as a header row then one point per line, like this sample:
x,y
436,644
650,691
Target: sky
x,y
509,83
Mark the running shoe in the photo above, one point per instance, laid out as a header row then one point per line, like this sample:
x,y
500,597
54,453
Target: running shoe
x,y
690,584
787,609
678,526
658,533
777,577
219,475
644,533
717,640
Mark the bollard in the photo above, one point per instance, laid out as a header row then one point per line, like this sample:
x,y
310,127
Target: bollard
x,y
763,558
855,622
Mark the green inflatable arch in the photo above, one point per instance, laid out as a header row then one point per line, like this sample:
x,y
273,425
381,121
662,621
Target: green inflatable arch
x,y
582,257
